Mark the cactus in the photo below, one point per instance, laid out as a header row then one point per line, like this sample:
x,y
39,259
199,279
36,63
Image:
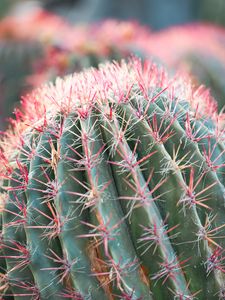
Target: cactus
x,y
113,188
186,50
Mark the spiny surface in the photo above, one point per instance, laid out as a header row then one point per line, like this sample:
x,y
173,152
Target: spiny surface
x,y
113,188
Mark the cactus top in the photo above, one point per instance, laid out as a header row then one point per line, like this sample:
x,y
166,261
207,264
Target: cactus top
x,y
110,85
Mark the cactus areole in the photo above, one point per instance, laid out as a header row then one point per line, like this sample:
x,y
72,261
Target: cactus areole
x,y
113,188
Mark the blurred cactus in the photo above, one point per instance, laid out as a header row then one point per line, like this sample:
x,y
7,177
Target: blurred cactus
x,y
198,49
88,45
16,63
58,48
22,41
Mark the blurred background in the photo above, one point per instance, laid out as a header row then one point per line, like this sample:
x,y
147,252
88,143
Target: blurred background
x,y
157,14
43,39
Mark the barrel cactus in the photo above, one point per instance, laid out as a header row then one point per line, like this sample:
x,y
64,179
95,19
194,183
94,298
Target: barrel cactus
x,y
113,188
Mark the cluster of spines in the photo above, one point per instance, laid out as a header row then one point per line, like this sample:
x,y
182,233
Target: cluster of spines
x,y
128,190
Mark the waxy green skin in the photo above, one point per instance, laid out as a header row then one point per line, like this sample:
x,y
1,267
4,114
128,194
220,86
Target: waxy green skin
x,y
107,207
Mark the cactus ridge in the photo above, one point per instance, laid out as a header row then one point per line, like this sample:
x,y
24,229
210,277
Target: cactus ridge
x,y
113,188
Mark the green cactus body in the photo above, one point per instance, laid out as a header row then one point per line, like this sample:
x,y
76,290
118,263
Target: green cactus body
x,y
113,189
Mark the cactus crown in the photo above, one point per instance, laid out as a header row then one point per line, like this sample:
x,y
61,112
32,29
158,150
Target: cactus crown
x,y
113,188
